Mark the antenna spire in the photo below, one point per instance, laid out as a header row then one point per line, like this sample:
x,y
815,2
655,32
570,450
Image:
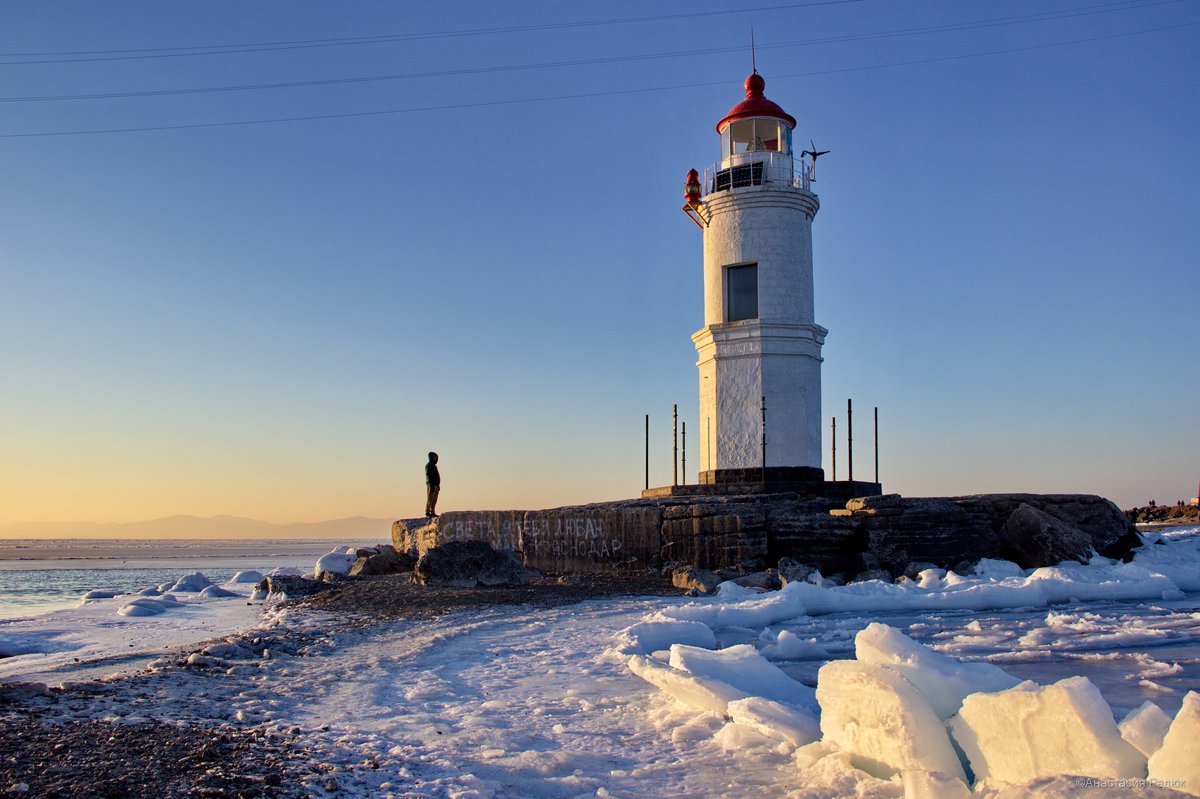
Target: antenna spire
x,y
753,62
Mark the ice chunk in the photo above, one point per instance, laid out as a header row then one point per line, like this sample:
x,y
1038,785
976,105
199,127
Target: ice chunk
x,y
875,713
99,593
149,592
336,562
652,636
932,785
191,583
216,592
789,646
1178,758
1145,728
711,695
1033,731
743,668
943,680
247,577
775,720
143,606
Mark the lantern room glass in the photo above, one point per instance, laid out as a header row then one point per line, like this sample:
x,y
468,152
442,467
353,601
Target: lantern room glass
x,y
756,134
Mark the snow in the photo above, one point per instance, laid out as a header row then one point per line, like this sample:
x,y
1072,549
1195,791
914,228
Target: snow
x,y
655,635
1177,759
247,576
685,698
338,561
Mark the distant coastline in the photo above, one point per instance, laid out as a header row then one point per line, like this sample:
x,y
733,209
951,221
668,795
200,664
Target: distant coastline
x,y
199,528
103,553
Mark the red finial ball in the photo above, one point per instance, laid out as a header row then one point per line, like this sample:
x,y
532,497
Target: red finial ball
x,y
755,85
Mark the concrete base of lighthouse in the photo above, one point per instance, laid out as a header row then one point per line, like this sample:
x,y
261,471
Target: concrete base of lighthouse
x,y
802,481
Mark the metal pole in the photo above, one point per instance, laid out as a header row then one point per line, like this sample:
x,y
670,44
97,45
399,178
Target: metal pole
x,y
764,442
647,451
834,437
876,443
850,439
683,465
675,445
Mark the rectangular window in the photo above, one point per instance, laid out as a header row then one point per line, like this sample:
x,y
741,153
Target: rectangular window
x,y
741,292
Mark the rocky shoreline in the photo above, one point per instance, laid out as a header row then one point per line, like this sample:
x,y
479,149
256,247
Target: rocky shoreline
x,y
118,738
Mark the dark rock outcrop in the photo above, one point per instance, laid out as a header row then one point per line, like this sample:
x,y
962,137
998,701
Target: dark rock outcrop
x,y
383,559
1032,537
291,586
467,564
691,578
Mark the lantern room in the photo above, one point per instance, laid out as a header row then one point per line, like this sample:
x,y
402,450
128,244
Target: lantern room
x,y
755,131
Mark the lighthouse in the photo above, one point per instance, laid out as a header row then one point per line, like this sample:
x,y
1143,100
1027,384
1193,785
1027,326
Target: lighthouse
x,y
759,352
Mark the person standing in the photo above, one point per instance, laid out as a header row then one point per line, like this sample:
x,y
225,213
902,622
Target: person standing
x,y
433,485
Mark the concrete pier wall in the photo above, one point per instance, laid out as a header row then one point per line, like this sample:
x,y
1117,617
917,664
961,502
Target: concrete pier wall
x,y
838,537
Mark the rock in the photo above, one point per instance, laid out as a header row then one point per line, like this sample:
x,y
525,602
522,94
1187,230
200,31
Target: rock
x,y
793,571
1034,538
386,561
467,564
291,586
875,502
691,578
766,580
872,574
913,570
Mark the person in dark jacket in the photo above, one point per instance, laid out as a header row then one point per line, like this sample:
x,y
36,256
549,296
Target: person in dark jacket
x,y
433,485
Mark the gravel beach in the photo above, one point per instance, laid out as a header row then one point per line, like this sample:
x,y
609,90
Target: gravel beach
x,y
52,745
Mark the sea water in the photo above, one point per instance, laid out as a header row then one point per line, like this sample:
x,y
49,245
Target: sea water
x,y
38,576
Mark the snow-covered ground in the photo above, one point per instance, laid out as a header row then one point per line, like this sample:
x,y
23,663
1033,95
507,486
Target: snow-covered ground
x,y
697,698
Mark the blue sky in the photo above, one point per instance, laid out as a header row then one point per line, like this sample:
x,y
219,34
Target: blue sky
x,y
278,320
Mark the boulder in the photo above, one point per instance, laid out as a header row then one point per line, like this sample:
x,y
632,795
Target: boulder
x,y
872,574
290,586
384,561
875,502
766,580
467,564
691,577
793,571
1034,538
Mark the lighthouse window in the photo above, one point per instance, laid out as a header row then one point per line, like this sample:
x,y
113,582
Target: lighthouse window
x,y
741,283
756,135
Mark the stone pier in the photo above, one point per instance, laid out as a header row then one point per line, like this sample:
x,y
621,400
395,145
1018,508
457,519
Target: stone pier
x,y
755,530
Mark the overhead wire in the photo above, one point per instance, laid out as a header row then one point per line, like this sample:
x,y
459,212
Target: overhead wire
x,y
584,95
204,50
904,32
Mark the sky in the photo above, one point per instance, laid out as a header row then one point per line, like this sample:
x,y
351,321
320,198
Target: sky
x,y
258,259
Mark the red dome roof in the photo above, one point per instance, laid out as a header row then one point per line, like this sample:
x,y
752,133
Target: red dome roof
x,y
755,105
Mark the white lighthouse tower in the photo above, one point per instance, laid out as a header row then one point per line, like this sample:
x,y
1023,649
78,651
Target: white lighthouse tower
x,y
760,347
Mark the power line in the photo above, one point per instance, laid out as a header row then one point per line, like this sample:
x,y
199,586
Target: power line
x,y
610,93
220,49
903,32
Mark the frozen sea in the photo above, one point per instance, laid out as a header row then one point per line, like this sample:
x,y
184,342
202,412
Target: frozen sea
x,y
41,575
676,697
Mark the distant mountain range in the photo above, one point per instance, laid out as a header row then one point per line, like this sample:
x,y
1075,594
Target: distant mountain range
x,y
202,527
